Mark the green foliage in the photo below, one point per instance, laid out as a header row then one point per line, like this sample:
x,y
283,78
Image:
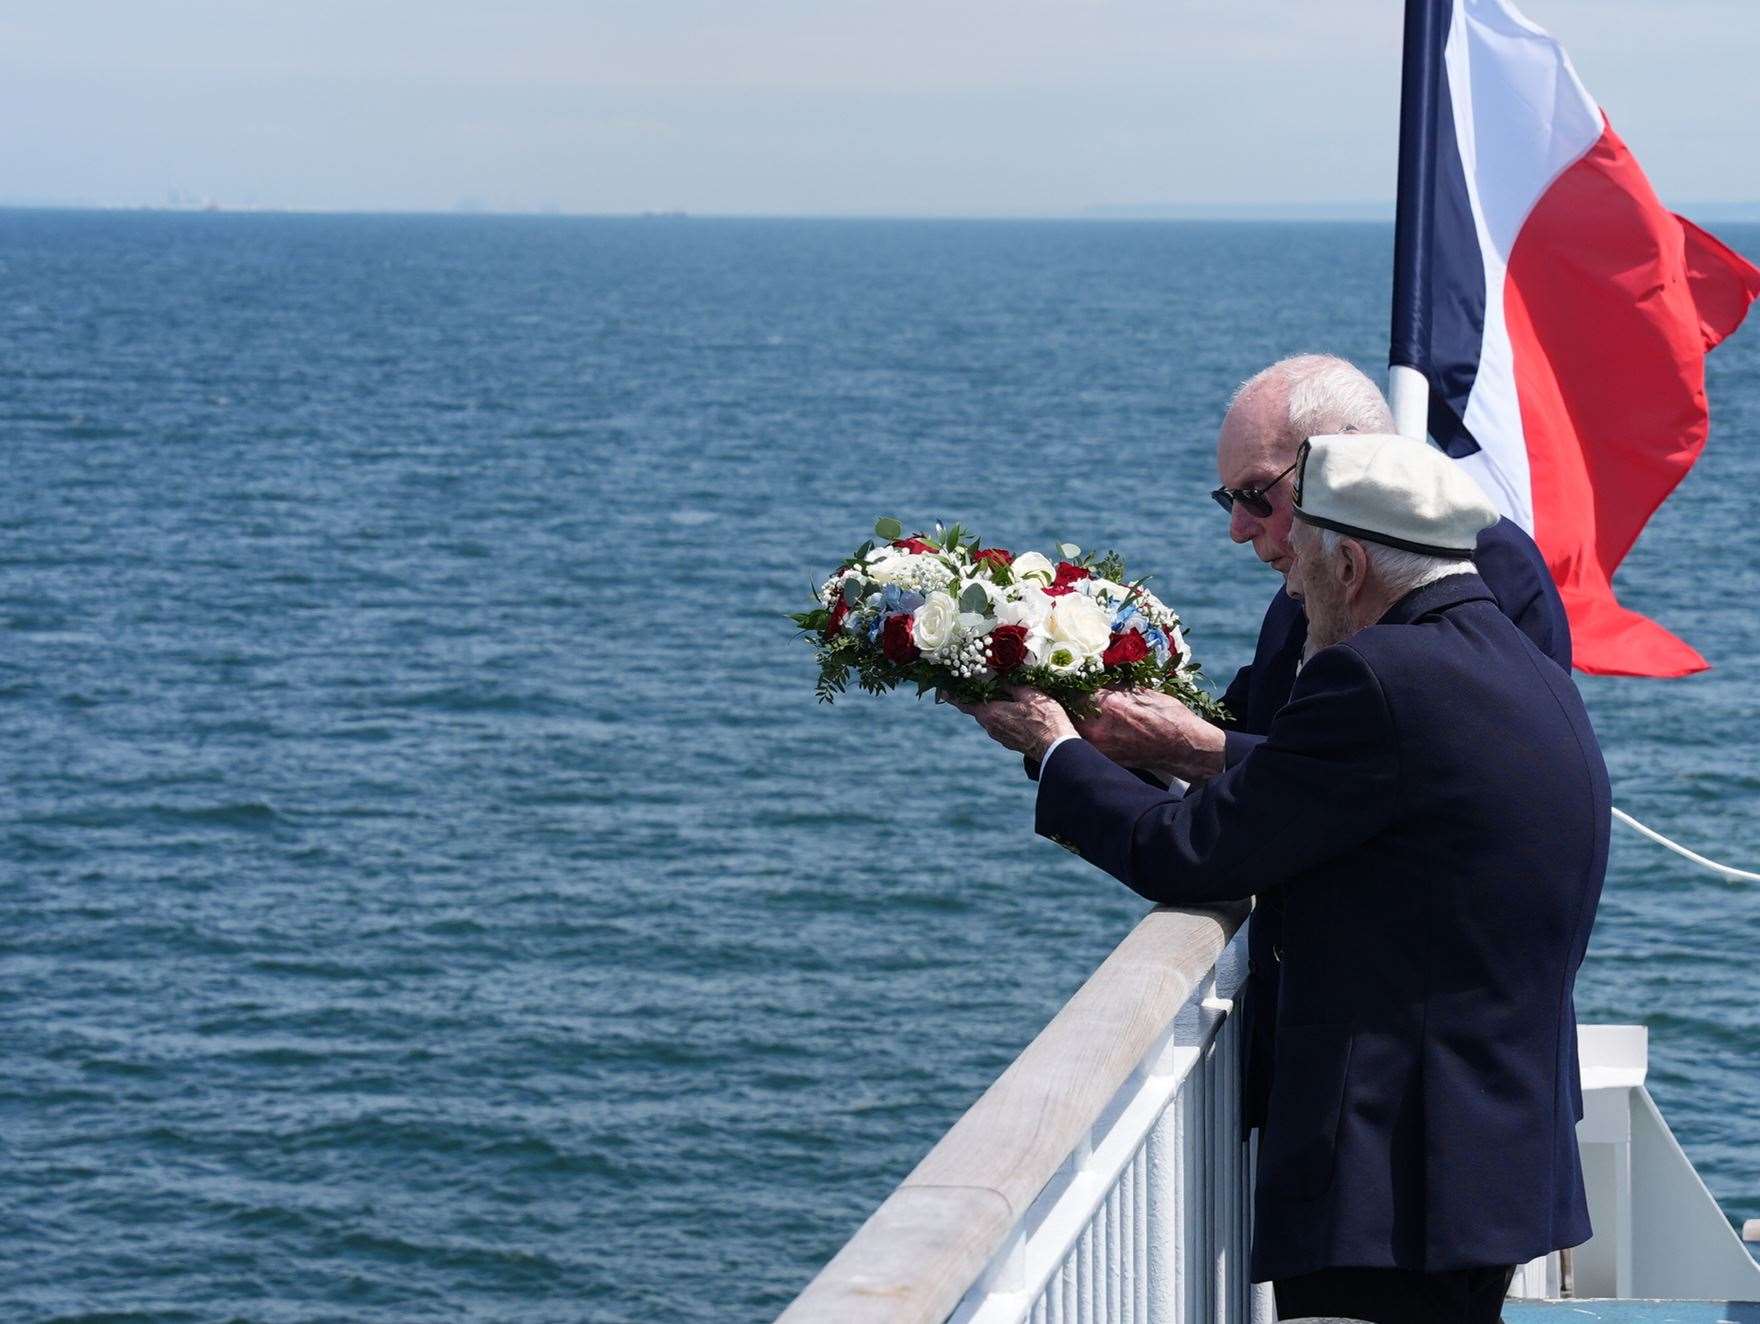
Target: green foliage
x,y
876,675
833,676
888,528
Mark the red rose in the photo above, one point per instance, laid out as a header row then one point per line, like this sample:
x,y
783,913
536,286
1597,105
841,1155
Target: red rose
x,y
1008,648
995,555
895,639
1058,590
1068,573
916,545
1124,649
839,610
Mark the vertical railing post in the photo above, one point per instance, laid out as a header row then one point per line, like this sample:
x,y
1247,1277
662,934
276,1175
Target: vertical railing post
x,y
1164,1170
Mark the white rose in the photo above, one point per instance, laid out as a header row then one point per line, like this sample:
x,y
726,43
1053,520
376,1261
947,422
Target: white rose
x,y
1077,621
933,622
1031,563
888,565
1030,607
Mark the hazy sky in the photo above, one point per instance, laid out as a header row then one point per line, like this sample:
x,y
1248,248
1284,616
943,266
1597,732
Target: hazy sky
x,y
995,107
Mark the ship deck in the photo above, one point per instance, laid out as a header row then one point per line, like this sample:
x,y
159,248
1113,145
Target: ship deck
x,y
1631,1312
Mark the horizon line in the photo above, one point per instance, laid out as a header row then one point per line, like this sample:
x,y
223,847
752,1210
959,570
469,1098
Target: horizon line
x,y
1337,211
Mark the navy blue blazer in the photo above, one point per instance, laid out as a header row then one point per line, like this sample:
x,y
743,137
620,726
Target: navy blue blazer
x,y
1434,803
1516,573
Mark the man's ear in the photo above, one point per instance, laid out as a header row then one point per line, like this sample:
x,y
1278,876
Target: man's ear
x,y
1354,567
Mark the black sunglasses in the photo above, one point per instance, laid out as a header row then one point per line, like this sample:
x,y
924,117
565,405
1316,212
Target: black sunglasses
x,y
1253,498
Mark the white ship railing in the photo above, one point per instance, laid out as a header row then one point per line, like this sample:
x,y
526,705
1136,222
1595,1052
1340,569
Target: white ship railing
x,y
1101,1178
1659,1234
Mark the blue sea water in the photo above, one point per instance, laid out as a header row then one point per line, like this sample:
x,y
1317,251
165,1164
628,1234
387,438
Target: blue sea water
x,y
430,889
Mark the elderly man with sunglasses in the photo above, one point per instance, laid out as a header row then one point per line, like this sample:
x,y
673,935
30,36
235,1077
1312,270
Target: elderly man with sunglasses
x,y
1271,414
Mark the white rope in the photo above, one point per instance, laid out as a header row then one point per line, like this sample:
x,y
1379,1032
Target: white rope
x,y
1737,875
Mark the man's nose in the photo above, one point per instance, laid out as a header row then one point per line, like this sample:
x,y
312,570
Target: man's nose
x,y
1243,525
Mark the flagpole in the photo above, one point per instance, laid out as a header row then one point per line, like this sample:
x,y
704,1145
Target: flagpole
x,y
1421,83
1408,395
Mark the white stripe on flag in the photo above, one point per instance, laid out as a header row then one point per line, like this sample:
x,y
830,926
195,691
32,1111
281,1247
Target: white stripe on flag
x,y
1521,117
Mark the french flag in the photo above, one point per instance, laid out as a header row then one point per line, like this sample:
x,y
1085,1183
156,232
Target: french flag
x,y
1559,314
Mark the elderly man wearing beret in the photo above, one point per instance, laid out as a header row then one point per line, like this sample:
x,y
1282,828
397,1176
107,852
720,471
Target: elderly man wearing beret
x,y
1433,802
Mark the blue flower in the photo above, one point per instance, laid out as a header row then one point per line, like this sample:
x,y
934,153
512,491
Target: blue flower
x,y
898,599
1126,614
1158,641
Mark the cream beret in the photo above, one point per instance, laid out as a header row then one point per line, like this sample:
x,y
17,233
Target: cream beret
x,y
1389,489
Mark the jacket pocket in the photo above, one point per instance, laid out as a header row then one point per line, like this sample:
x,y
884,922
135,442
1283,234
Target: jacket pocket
x,y
1300,1143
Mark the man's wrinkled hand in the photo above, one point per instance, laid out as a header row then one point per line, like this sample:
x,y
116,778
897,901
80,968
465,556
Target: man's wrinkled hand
x,y
1144,729
1027,722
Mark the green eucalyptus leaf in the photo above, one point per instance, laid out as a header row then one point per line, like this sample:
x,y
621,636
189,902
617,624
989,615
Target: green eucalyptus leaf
x,y
888,528
973,599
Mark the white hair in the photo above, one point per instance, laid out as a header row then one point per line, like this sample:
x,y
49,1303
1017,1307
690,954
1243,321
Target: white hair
x,y
1400,571
1326,396
1329,396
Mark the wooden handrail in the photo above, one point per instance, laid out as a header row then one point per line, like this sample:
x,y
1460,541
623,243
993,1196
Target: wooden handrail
x,y
928,1242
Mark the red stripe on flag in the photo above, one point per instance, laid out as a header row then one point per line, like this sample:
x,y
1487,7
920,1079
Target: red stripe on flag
x,y
1723,282
1611,303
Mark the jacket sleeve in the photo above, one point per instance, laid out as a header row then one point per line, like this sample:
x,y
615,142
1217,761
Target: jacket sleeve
x,y
1236,745
1324,780
1031,766
1234,698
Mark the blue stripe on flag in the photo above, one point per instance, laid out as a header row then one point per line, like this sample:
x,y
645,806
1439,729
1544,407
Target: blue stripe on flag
x,y
1438,274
